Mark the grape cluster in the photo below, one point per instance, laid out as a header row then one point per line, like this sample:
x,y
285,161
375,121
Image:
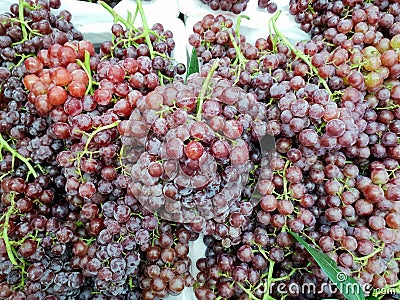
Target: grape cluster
x,y
347,17
19,39
152,47
196,147
270,6
234,6
167,269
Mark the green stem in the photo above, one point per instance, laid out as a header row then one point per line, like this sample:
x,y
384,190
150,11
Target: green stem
x,y
132,19
21,5
273,37
299,54
91,136
129,23
249,294
391,107
238,21
23,57
14,153
269,280
242,59
365,258
86,67
203,90
139,7
285,192
5,230
287,277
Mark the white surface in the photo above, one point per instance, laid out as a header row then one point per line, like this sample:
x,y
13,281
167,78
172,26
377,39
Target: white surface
x,y
164,8
5,5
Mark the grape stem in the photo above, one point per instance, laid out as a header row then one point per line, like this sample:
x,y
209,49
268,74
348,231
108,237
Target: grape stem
x,y
86,67
14,153
285,192
90,137
24,24
139,7
116,17
238,21
269,280
240,57
391,107
5,230
286,277
298,53
21,5
130,24
367,257
121,155
203,91
249,294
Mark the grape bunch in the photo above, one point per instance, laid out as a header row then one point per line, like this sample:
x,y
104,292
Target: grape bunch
x,y
18,39
195,147
327,17
234,6
167,267
152,46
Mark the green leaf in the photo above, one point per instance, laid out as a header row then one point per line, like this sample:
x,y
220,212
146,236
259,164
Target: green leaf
x,y
193,63
371,298
348,286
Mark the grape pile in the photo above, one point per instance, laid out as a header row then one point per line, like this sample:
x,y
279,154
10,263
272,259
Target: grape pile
x,y
113,163
333,110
